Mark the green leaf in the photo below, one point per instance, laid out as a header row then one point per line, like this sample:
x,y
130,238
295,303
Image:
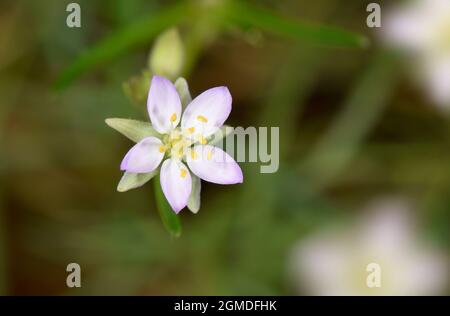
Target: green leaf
x,y
250,15
194,199
134,180
170,220
122,40
133,129
183,90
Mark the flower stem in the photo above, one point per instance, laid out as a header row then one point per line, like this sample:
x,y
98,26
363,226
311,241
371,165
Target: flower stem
x,y
170,220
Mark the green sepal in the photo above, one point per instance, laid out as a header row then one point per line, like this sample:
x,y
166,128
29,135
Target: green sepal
x,y
133,129
183,91
194,199
134,180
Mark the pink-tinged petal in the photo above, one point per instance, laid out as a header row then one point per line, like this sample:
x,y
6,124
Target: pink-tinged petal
x,y
163,105
176,183
212,164
207,112
143,157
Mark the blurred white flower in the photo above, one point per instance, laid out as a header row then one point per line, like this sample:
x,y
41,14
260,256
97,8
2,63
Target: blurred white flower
x,y
422,28
336,262
175,139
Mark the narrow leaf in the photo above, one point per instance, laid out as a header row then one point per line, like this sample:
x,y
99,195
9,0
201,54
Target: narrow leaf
x,y
122,40
359,115
194,198
247,14
134,180
170,220
133,129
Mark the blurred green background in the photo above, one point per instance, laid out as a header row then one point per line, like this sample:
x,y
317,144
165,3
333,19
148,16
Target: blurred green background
x,y
352,128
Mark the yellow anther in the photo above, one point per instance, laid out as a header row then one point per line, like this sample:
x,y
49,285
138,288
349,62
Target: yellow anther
x,y
162,149
194,154
191,130
202,139
173,118
183,173
202,119
209,156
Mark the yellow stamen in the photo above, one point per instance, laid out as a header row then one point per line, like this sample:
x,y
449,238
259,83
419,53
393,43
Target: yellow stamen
x,y
201,118
194,154
162,149
202,140
191,130
173,118
210,153
183,173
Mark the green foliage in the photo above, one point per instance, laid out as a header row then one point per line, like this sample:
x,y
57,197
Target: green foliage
x,y
122,40
232,12
341,141
246,14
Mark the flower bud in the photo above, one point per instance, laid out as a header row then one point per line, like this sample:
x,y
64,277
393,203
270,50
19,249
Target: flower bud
x,y
167,56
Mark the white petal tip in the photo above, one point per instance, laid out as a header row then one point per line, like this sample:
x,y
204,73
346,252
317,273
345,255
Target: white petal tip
x,y
175,183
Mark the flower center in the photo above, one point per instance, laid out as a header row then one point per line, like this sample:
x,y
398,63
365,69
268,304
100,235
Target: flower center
x,y
175,144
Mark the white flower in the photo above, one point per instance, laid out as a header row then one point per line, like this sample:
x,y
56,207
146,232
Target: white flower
x,y
422,28
335,263
173,146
